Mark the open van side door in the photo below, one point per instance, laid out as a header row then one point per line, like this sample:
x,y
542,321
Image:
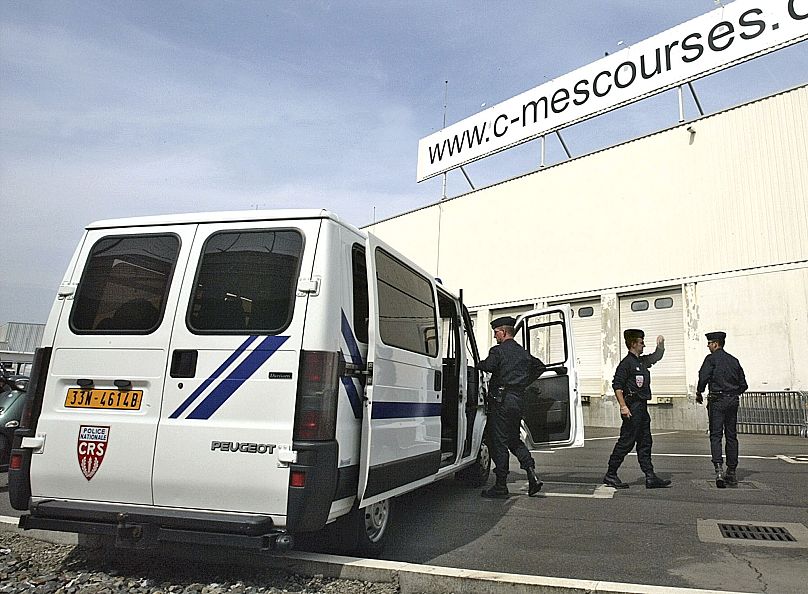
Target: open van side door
x,y
553,415
401,423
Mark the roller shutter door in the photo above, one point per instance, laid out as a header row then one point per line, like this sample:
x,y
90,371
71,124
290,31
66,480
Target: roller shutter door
x,y
659,313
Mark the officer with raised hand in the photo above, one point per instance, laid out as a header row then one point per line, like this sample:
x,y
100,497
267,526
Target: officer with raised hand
x,y
512,370
725,377
632,388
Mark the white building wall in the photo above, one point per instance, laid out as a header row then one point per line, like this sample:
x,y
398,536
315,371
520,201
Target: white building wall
x,y
716,208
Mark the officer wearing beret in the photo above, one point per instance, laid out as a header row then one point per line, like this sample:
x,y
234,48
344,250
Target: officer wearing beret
x,y
512,370
632,388
725,377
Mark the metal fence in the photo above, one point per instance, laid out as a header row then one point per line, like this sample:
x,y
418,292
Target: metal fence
x,y
774,413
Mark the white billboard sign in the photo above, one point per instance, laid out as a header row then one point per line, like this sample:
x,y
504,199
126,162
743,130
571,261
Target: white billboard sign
x,y
719,39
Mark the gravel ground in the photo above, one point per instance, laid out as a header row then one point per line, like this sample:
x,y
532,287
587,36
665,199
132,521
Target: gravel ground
x,y
32,566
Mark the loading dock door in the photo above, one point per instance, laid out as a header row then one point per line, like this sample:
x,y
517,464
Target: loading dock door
x,y
659,313
586,334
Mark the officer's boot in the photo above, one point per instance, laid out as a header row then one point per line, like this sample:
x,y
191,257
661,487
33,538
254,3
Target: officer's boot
x,y
498,490
652,481
533,482
719,476
730,478
612,480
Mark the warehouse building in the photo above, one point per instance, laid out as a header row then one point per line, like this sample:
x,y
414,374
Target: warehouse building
x,y
699,227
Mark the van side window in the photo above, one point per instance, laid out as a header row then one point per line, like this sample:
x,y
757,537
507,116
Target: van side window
x,y
124,286
246,282
407,309
361,311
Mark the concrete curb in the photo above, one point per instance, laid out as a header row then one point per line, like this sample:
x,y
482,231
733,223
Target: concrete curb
x,y
412,578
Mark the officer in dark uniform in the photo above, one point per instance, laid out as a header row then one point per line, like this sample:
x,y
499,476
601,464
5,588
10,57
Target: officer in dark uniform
x,y
725,377
512,370
632,388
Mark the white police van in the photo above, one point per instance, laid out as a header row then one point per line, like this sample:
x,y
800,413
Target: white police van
x,y
244,377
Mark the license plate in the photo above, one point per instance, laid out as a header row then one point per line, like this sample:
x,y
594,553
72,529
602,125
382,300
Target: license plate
x,y
115,399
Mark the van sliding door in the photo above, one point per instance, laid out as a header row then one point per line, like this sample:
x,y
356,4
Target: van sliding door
x,y
401,427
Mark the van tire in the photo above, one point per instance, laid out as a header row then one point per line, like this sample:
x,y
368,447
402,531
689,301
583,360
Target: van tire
x,y
369,528
476,475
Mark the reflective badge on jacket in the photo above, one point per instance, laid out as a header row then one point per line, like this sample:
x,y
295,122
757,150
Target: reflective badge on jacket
x,y
639,380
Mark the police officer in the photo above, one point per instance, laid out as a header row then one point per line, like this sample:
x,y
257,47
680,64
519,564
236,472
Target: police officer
x,y
632,388
512,370
724,375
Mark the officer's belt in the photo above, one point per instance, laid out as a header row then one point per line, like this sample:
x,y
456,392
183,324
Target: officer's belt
x,y
719,395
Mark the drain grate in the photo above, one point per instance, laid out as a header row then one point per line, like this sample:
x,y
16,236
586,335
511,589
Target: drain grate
x,y
749,532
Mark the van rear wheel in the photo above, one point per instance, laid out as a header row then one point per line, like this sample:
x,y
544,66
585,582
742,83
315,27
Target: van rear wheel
x,y
476,475
370,526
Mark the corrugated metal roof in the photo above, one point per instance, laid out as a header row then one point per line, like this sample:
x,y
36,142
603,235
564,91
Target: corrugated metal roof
x,y
21,337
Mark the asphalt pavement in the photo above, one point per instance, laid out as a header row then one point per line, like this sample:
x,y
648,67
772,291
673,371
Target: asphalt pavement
x,y
688,535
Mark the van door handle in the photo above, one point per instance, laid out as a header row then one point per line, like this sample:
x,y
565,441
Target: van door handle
x,y
438,385
183,363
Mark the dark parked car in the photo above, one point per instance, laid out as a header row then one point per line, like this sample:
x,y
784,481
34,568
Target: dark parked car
x,y
12,401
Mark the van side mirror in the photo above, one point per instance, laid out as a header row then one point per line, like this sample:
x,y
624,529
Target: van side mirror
x,y
21,385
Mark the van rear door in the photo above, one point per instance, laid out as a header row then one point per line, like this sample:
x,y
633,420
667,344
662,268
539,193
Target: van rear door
x,y
401,425
553,414
225,435
103,391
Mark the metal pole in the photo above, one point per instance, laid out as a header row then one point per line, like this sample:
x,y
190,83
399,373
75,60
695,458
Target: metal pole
x,y
542,150
467,177
445,103
695,97
563,144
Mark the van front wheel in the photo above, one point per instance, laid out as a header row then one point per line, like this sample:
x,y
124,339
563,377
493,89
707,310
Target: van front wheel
x,y
370,525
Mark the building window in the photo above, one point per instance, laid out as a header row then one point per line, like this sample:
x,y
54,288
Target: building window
x,y
663,303
586,312
641,305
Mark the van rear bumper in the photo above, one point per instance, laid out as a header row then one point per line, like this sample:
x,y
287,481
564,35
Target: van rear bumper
x,y
136,527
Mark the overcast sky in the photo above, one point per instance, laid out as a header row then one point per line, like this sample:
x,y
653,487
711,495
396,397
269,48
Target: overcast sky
x,y
111,109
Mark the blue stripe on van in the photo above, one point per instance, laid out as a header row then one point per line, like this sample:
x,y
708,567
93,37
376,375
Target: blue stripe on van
x,y
350,340
404,410
236,379
356,359
353,396
204,385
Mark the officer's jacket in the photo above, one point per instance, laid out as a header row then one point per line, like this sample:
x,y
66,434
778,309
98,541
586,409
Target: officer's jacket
x,y
511,366
632,375
723,373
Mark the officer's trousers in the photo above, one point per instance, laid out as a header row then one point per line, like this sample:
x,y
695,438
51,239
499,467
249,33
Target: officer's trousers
x,y
723,415
636,430
505,419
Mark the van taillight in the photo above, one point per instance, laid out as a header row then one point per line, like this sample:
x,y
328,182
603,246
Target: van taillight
x,y
317,390
15,462
36,389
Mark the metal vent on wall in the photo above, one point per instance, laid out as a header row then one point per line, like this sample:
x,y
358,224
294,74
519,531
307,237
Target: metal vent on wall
x,y
749,532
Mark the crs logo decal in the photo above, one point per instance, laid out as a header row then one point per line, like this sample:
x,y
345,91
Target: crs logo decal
x,y
91,448
639,380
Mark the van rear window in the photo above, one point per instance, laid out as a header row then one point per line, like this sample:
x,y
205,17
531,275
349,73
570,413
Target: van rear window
x,y
246,282
125,283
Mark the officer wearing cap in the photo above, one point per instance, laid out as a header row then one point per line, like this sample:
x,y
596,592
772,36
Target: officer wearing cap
x,y
512,370
632,388
725,377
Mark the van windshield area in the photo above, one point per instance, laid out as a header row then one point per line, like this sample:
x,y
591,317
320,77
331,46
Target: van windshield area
x,y
124,286
246,282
